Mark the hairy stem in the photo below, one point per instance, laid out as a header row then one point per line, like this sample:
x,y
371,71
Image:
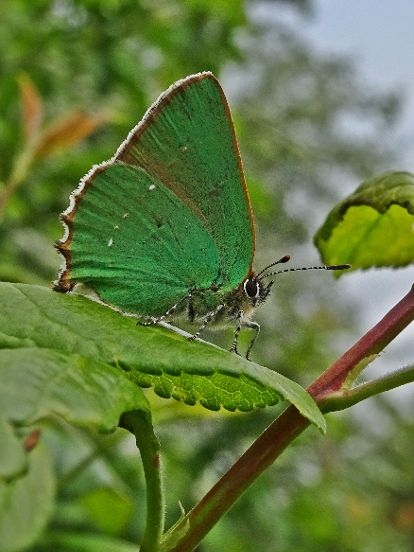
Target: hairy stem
x,y
140,425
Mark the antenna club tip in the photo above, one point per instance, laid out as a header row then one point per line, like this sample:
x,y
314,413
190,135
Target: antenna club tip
x,y
285,259
339,267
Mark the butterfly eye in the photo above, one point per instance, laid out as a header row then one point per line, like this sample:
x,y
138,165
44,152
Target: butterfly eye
x,y
251,288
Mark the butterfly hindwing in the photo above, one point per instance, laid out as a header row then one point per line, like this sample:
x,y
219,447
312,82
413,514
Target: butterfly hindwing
x,y
135,243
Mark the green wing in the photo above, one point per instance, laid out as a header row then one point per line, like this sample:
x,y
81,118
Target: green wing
x,y
187,141
134,242
169,213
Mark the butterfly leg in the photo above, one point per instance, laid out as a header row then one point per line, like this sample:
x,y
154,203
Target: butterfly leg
x,y
233,348
242,323
210,317
253,326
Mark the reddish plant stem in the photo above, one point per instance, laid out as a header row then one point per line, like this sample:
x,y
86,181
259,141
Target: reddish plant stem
x,y
239,477
273,441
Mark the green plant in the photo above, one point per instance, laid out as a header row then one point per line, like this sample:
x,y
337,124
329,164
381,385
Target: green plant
x,y
93,378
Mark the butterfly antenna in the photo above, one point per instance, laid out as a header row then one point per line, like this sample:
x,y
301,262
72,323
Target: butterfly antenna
x,y
296,269
284,259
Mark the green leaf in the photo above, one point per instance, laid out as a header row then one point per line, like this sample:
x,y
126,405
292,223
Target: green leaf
x,y
39,381
373,226
83,391
84,331
26,503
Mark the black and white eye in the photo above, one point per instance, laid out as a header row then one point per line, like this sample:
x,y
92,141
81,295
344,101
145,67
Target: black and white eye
x,y
251,288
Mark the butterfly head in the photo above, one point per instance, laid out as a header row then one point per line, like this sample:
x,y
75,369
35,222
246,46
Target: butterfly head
x,y
256,290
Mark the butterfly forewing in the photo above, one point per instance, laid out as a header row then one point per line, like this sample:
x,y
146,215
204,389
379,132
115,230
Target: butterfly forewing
x,y
187,141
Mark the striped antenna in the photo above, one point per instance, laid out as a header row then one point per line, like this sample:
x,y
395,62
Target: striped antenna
x,y
262,274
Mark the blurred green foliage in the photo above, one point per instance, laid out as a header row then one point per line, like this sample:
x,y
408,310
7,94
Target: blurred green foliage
x,y
294,111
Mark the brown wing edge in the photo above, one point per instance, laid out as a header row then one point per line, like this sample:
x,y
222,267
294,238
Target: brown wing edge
x,y
64,283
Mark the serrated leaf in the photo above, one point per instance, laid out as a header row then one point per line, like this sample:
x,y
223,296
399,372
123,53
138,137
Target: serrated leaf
x,y
83,391
174,366
374,226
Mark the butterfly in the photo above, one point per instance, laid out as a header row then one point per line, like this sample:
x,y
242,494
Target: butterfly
x,y
165,229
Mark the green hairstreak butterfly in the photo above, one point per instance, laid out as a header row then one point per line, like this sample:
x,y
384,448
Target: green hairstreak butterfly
x,y
165,228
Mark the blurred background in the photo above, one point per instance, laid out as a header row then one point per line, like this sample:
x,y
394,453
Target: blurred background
x,y
322,97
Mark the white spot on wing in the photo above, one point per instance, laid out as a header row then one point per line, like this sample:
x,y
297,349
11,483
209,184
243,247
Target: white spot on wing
x,y
110,242
151,187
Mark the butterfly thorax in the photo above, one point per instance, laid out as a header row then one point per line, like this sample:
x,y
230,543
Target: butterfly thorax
x,y
223,306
